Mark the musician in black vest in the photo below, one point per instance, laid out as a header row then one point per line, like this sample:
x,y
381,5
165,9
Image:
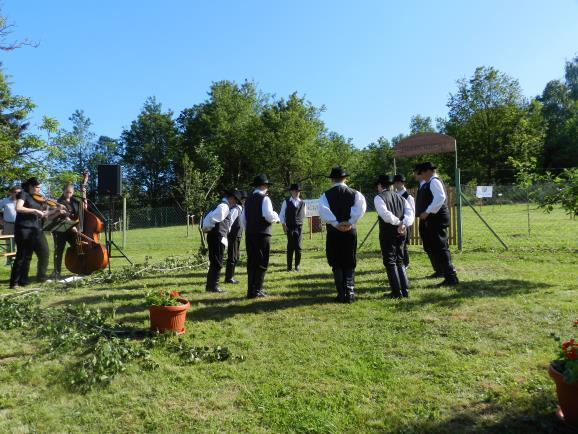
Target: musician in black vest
x,y
257,218
234,237
340,208
399,186
395,216
72,207
434,214
292,215
216,225
423,234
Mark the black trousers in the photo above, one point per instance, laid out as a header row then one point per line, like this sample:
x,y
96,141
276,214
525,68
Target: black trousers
x,y
29,241
233,254
437,234
258,247
341,253
294,236
392,248
406,246
216,253
60,240
426,239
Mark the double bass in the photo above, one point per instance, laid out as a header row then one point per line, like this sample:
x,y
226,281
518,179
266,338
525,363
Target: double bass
x,y
87,255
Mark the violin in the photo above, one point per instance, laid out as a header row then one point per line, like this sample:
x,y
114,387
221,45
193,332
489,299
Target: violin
x,y
54,208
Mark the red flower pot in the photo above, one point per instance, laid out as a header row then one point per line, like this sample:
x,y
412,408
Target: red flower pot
x,y
567,397
169,318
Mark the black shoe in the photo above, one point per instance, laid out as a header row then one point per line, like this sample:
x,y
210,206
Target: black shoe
x,y
261,294
232,281
435,275
215,289
393,295
14,287
55,275
297,268
289,269
448,282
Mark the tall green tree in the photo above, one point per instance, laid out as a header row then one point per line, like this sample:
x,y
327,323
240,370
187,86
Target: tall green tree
x,y
491,121
149,147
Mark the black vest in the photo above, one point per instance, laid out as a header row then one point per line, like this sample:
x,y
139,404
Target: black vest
x,y
221,228
340,199
395,204
236,230
255,222
72,207
294,215
425,198
405,194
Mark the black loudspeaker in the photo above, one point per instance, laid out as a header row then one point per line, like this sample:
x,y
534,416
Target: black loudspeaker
x,y
109,179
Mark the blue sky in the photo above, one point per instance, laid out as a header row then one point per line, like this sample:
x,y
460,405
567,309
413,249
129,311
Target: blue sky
x,y
373,64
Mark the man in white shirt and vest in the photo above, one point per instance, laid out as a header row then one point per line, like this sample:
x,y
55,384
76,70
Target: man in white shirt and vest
x,y
395,216
340,208
257,218
234,237
292,215
434,214
8,217
399,186
216,225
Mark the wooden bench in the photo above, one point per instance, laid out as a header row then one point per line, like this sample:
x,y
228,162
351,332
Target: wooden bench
x,y
7,249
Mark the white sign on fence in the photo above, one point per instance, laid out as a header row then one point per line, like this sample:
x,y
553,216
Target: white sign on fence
x,y
312,207
484,191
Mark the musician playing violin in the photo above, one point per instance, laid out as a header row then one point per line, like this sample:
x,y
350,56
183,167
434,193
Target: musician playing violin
x,y
72,206
30,212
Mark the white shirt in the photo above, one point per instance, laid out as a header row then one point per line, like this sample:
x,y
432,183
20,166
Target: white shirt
x,y
357,210
388,217
410,199
266,209
234,213
439,196
8,208
295,202
219,214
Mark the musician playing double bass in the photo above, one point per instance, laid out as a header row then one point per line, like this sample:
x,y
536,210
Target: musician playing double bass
x,y
72,206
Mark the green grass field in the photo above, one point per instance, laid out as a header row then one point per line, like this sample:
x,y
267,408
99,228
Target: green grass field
x,y
469,359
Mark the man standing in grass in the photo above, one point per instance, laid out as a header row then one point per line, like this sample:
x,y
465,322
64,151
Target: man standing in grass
x,y
395,216
435,216
340,208
8,217
399,184
216,225
234,239
292,216
257,218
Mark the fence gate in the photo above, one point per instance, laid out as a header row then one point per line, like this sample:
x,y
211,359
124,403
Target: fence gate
x,y
452,229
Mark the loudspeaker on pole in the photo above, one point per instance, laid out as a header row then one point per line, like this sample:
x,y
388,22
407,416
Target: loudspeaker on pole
x,y
109,179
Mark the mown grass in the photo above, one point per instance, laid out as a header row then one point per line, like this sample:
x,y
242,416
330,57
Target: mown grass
x,y
470,359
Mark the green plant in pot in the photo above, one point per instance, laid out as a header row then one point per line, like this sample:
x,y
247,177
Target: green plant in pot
x,y
168,311
564,372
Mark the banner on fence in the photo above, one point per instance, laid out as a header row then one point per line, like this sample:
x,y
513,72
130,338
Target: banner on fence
x,y
484,191
312,207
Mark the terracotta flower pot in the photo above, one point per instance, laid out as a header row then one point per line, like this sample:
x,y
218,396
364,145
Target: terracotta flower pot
x,y
567,397
169,318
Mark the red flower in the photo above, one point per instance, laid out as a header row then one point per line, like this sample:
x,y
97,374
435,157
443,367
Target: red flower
x,y
565,345
174,294
572,354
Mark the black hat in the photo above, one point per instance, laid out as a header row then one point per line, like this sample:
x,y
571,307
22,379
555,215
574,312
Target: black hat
x,y
337,172
399,178
417,168
234,193
243,194
295,187
426,166
261,179
384,180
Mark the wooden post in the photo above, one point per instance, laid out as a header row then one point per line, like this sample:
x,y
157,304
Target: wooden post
x,y
310,228
123,222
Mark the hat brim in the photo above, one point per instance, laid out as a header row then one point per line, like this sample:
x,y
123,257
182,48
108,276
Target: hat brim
x,y
343,175
261,183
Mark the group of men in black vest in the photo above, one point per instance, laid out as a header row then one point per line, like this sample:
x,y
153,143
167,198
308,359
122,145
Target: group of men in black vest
x,y
340,208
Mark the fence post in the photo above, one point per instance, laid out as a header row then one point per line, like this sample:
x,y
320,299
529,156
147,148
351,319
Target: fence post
x,y
123,222
528,210
459,207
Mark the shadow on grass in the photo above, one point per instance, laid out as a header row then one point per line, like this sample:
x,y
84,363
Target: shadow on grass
x,y
98,299
472,289
535,415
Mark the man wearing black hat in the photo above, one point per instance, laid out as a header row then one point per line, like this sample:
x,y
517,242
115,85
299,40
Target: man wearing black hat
x,y
423,234
435,216
399,185
292,216
257,218
340,208
395,216
216,224
234,239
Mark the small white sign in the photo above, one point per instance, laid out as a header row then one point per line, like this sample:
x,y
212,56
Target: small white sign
x,y
484,191
311,207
